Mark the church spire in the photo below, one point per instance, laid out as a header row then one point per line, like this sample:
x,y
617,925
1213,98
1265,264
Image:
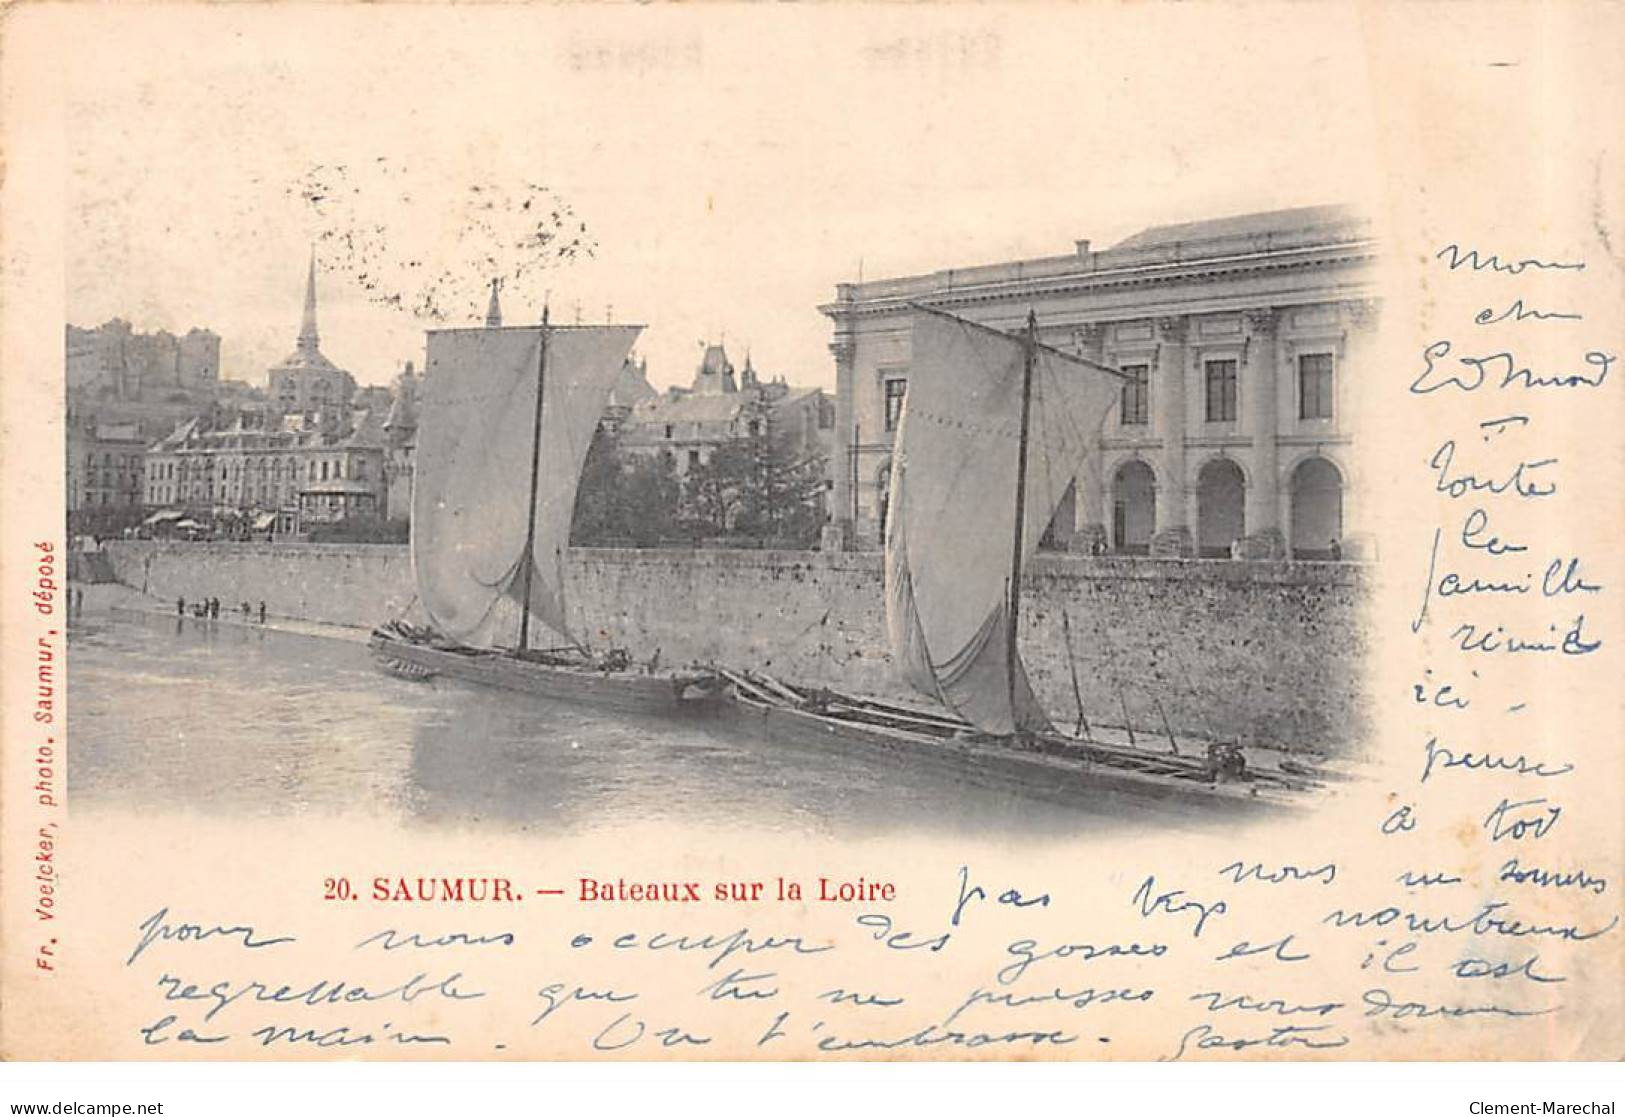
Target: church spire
x,y
308,338
493,312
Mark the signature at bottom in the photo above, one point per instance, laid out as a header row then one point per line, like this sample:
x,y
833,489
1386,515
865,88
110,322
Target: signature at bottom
x,y
1203,1037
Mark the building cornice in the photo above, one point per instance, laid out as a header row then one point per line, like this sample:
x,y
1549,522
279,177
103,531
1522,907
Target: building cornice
x,y
893,296
893,321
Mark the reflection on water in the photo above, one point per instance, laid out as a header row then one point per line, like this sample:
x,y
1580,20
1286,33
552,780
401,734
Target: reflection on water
x,y
230,719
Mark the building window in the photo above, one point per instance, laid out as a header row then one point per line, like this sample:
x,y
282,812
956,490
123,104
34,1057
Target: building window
x,y
1135,406
1221,390
1315,386
694,459
668,430
896,388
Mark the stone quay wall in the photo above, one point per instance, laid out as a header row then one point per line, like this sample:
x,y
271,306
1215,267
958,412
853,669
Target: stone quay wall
x,y
1258,651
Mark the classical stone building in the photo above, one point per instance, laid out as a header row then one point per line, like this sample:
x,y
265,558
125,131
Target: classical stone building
x,y
1243,338
278,473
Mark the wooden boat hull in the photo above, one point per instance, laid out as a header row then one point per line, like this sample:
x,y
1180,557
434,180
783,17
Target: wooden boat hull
x,y
1096,771
668,693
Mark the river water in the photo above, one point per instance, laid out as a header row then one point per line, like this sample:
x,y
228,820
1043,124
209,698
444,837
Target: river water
x,y
233,719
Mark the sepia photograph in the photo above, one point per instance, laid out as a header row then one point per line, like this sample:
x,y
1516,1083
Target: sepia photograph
x,y
822,533
790,562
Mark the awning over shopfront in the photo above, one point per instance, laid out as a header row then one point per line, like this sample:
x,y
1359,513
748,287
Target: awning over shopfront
x,y
164,517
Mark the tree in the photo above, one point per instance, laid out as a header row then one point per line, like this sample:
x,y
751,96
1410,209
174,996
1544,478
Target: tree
x,y
760,487
624,500
720,487
652,502
599,515
757,487
784,501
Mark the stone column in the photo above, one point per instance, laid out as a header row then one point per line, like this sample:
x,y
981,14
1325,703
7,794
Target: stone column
x,y
1091,535
1260,391
1354,358
837,534
1172,538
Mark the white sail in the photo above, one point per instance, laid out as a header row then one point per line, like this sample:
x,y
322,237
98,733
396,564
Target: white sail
x,y
471,483
951,513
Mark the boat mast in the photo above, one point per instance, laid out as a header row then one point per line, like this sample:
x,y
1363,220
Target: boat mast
x,y
1029,353
535,480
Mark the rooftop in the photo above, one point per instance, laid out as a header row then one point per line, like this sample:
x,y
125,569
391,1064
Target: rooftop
x,y
691,408
715,374
1258,227
1157,251
631,385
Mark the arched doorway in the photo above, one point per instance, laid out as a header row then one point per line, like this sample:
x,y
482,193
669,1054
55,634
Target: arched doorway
x,y
1134,508
1317,509
1221,501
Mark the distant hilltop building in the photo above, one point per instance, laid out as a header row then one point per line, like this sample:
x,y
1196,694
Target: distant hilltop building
x,y
318,451
1233,435
113,362
125,389
720,405
118,377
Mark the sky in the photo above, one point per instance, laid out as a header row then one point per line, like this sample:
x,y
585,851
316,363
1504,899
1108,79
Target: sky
x,y
732,165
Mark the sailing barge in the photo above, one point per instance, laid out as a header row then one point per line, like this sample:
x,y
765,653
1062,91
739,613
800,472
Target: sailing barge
x,y
507,416
1111,759
961,530
563,674
993,430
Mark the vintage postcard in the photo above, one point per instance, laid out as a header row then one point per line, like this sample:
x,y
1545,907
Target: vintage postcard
x,y
815,533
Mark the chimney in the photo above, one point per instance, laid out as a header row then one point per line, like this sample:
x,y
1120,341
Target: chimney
x,y
493,311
